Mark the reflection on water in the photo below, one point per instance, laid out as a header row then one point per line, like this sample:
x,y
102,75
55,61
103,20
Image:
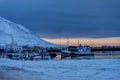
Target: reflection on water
x,y
99,55
83,57
107,54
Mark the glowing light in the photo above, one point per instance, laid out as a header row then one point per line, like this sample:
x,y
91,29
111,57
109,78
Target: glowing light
x,y
87,41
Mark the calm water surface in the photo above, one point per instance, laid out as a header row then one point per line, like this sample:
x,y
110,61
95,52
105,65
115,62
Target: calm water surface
x,y
99,55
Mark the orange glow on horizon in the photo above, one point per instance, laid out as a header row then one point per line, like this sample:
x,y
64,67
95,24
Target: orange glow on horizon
x,y
87,41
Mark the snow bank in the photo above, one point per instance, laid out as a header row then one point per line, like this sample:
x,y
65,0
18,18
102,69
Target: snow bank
x,y
101,69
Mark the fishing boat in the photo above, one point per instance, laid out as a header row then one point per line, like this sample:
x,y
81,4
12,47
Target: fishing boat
x,y
77,51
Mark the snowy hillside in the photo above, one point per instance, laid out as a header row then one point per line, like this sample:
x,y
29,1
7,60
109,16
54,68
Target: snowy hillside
x,y
10,31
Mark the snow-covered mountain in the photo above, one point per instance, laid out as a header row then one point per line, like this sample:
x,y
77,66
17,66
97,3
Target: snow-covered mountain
x,y
12,32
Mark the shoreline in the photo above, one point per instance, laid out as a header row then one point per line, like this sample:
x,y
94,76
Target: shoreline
x,y
7,74
99,69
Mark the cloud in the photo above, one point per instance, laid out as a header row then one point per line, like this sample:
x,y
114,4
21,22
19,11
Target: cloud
x,y
65,18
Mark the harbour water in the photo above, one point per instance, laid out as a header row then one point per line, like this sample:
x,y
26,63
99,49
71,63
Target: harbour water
x,y
99,55
107,54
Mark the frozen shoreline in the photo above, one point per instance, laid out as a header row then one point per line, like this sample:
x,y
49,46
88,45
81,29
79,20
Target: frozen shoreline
x,y
99,69
18,75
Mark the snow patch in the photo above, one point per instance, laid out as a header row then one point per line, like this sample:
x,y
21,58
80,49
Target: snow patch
x,y
102,69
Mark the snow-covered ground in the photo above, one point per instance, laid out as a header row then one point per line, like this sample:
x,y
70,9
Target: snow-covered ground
x,y
99,69
12,32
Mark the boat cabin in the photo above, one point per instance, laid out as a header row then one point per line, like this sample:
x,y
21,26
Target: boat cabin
x,y
73,48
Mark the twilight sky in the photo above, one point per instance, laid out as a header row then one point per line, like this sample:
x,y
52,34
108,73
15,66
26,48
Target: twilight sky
x,y
65,18
88,20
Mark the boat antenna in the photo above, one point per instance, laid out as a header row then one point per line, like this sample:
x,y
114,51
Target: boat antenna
x,y
60,43
67,42
78,42
12,40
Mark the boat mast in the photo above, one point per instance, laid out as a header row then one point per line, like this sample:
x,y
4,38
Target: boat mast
x,y
12,40
60,44
78,42
67,42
